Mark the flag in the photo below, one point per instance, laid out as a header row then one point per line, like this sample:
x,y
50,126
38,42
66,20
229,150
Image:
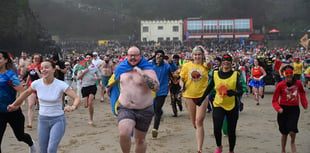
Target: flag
x,y
81,66
187,35
304,41
115,91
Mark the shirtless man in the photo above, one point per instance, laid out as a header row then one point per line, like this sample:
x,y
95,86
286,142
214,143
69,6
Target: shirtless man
x,y
136,110
106,67
23,64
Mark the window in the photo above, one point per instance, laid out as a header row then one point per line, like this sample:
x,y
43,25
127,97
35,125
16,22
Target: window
x,y
175,38
194,26
226,26
145,29
242,25
175,28
144,39
160,28
210,26
159,39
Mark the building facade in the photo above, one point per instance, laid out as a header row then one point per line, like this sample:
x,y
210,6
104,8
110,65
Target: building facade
x,y
218,28
162,30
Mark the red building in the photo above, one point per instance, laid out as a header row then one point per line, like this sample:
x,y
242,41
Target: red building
x,y
218,28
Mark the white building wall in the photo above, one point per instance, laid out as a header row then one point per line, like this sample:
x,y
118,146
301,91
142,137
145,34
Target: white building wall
x,y
167,32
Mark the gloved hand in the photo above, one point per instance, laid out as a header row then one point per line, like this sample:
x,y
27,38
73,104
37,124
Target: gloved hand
x,y
231,93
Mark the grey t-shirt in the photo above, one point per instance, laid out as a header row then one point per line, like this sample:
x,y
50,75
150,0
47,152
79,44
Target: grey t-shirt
x,y
87,79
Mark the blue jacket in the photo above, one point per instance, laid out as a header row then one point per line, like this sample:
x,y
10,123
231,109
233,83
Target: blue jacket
x,y
163,71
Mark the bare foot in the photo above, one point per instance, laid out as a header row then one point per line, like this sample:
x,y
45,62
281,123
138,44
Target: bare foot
x,y
293,148
90,123
102,100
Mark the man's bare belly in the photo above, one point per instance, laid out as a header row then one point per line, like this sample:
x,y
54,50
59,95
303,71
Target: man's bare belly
x,y
106,72
134,94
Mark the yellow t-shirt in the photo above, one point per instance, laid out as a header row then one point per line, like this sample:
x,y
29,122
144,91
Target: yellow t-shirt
x,y
297,68
221,86
195,77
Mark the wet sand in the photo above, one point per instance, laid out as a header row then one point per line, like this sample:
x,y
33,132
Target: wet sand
x,y
257,131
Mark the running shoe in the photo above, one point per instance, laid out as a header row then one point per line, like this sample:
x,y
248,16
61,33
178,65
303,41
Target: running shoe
x,y
32,149
154,133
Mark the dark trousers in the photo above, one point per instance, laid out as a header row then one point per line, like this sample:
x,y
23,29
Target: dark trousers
x,y
176,99
158,104
16,120
232,118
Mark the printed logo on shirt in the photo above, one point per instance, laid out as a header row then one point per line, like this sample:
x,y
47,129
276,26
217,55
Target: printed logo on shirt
x,y
291,93
195,74
223,90
32,72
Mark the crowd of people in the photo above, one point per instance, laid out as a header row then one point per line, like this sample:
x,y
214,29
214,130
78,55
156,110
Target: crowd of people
x,y
204,78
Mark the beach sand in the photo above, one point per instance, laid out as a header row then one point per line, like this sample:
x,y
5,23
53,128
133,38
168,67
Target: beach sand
x,y
257,131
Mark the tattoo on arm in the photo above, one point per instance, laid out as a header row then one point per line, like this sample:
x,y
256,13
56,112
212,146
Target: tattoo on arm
x,y
151,83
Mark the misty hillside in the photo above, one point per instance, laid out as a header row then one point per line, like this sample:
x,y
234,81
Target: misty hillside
x,y
120,18
29,24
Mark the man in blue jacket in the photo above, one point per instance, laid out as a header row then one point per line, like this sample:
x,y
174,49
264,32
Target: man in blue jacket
x,y
162,69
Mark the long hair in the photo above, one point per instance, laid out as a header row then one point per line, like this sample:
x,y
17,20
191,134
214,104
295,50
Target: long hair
x,y
9,64
41,58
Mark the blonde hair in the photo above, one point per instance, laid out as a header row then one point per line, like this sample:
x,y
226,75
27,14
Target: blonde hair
x,y
197,49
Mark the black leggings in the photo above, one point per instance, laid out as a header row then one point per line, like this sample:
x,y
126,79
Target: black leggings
x,y
16,120
218,118
158,104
